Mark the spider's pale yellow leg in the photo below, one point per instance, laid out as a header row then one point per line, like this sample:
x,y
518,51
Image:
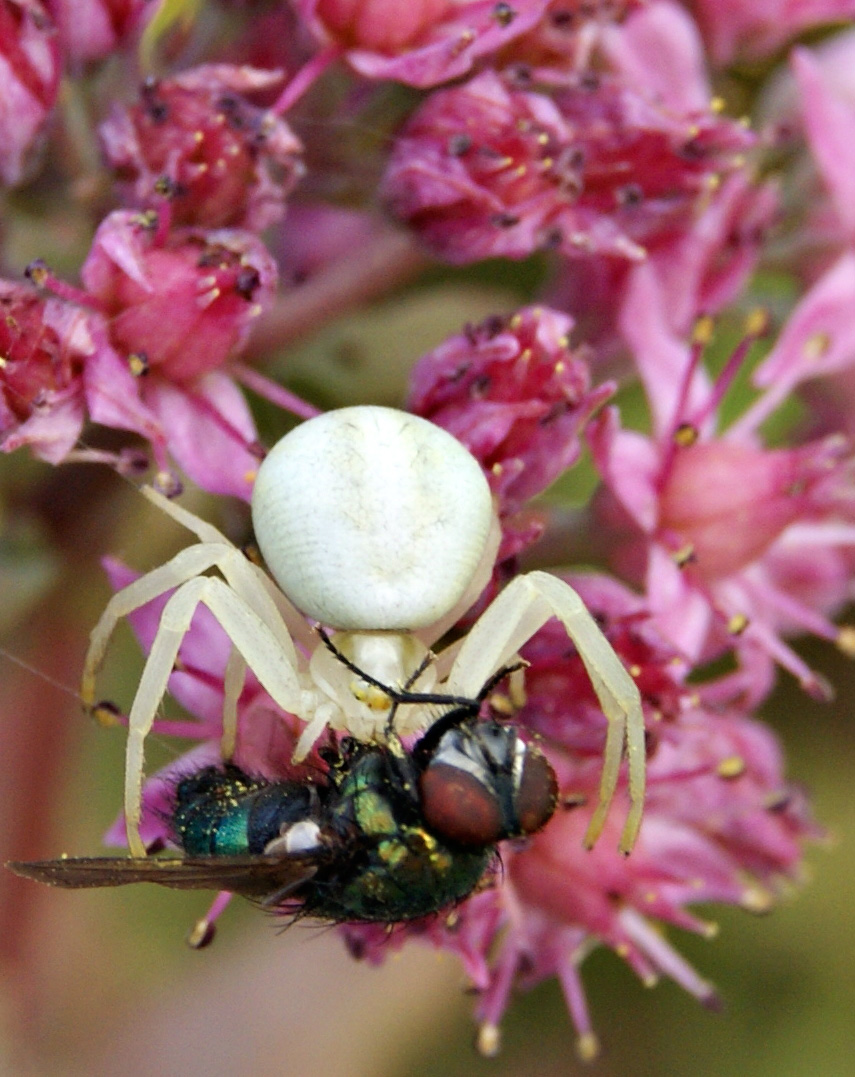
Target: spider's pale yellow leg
x,y
233,682
254,578
183,567
251,637
619,697
524,606
203,531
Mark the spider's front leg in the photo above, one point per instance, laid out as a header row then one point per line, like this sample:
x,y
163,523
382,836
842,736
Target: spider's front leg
x,y
524,606
261,650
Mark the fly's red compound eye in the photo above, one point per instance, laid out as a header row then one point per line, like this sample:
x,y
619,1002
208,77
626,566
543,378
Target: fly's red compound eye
x,y
484,784
459,807
537,794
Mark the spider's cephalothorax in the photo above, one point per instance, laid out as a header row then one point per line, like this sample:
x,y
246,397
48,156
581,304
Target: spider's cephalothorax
x,y
379,525
388,835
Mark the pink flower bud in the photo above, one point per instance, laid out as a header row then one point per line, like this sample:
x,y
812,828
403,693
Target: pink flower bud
x,y
29,75
43,344
483,170
196,140
517,396
420,42
91,29
730,502
183,305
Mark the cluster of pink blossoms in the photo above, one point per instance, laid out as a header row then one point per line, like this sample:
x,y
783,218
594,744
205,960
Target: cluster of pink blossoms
x,y
580,136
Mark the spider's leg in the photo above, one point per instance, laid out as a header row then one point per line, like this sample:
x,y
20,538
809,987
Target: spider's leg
x,y
234,679
524,606
203,531
619,697
177,571
250,636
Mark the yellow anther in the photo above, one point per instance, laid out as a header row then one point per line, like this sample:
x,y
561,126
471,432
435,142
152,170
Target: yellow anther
x,y
731,767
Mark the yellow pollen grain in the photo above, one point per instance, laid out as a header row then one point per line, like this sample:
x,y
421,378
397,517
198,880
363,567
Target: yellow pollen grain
x,y
684,556
737,624
198,933
650,980
754,899
138,364
817,345
710,930
622,950
717,104
635,671
497,469
489,1041
520,171
733,766
198,136
250,476
233,150
651,897
559,367
846,640
3,361
587,1047
703,330
757,322
525,355
516,321
685,435
208,298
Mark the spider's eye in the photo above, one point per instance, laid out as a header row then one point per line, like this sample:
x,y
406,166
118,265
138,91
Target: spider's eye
x,y
484,784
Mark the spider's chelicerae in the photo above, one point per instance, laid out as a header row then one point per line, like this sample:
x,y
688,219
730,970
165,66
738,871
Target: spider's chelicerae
x,y
379,525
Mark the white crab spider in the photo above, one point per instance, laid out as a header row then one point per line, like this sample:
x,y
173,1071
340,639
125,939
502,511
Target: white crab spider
x,y
381,526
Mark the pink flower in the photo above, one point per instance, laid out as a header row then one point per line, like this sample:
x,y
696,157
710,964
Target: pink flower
x,y
92,29
700,270
721,825
422,43
184,304
733,27
44,345
196,140
29,75
566,35
484,170
178,309
829,118
517,396
738,545
167,315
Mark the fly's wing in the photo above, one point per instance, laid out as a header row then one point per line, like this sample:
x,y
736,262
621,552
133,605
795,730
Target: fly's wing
x,y
252,876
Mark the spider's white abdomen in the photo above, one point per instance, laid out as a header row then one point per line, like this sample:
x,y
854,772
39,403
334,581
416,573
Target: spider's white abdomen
x,y
371,518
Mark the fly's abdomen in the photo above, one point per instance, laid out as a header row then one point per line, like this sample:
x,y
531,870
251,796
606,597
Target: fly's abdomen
x,y
224,812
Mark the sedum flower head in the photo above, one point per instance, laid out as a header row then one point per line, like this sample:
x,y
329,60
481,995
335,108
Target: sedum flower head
x,y
486,169
221,161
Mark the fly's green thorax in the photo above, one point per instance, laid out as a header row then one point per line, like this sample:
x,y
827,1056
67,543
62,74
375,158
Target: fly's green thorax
x,y
399,871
